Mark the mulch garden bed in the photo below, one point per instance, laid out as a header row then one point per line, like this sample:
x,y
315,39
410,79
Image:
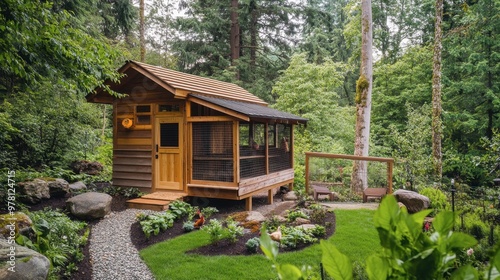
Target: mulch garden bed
x,y
139,240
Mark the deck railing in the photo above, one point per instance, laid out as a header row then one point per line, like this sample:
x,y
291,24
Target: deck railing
x,y
388,161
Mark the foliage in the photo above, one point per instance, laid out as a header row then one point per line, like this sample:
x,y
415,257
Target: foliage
x,y
271,223
438,199
294,236
154,223
292,215
252,244
215,230
318,215
218,231
188,226
58,238
209,212
180,208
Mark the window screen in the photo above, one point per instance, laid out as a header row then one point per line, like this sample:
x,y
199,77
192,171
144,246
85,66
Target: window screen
x,y
169,135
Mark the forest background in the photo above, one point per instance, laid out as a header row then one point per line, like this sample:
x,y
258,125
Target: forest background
x,y
300,56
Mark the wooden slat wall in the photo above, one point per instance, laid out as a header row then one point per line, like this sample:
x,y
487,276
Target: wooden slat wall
x,y
132,150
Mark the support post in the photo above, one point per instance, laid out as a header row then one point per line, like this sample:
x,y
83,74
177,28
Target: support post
x,y
248,204
270,196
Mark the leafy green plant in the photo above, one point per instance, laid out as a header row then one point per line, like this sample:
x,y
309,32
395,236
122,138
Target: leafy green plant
x,y
271,223
209,212
188,226
154,223
58,238
292,215
180,208
131,192
215,230
233,231
438,199
294,236
252,244
318,215
318,231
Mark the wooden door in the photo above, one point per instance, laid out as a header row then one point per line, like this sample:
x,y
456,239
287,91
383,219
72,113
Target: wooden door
x,y
169,163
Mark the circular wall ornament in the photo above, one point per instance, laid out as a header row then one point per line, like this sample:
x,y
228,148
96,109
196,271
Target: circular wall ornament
x,y
127,123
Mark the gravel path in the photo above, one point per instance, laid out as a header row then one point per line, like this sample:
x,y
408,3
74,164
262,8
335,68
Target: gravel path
x,y
112,254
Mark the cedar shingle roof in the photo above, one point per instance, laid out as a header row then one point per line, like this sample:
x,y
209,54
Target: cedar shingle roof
x,y
183,85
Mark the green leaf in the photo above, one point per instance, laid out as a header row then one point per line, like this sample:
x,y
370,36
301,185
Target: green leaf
x,y
443,223
268,246
377,268
336,264
289,272
461,240
386,213
466,272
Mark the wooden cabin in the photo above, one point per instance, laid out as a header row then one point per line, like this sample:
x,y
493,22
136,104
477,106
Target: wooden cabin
x,y
180,133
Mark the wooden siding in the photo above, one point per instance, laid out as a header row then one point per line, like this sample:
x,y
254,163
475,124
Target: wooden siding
x,y
252,185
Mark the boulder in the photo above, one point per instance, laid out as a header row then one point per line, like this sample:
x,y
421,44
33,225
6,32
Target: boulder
x,y
290,196
255,216
77,186
20,263
58,187
413,201
301,221
90,206
18,222
34,191
87,167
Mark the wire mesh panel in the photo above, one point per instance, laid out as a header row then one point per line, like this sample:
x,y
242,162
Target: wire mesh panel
x,y
213,151
252,150
280,156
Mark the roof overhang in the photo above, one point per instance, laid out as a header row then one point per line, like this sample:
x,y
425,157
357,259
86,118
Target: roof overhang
x,y
246,111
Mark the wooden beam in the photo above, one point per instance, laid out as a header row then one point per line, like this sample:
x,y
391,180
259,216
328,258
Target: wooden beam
x,y
248,203
219,108
270,196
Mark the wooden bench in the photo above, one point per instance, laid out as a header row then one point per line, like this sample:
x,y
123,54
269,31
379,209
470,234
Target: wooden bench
x,y
322,190
373,193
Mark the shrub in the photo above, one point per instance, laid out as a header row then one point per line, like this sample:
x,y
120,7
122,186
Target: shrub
x,y
209,212
252,244
154,223
188,226
233,231
215,230
318,215
180,208
318,231
294,236
438,199
271,223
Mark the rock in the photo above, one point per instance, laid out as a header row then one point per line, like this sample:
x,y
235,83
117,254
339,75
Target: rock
x,y
307,226
255,216
401,205
413,201
87,167
77,186
290,196
58,187
25,263
34,191
21,223
89,206
301,221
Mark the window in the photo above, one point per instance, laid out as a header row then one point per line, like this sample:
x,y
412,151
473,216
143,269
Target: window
x,y
143,114
164,108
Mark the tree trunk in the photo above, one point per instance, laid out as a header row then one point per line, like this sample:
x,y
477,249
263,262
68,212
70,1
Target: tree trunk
x,y
363,100
141,31
253,35
437,156
235,35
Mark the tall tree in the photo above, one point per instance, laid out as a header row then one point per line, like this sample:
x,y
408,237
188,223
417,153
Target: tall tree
x,y
363,100
234,40
142,35
437,127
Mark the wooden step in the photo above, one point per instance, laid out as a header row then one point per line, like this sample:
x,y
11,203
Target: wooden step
x,y
148,204
157,201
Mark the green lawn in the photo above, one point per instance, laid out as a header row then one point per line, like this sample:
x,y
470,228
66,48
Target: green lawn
x,y
355,236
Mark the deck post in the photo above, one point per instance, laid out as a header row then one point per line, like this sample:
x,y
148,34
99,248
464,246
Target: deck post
x,y
270,196
248,204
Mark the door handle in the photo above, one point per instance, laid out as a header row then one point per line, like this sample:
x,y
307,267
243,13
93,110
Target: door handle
x,y
157,148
